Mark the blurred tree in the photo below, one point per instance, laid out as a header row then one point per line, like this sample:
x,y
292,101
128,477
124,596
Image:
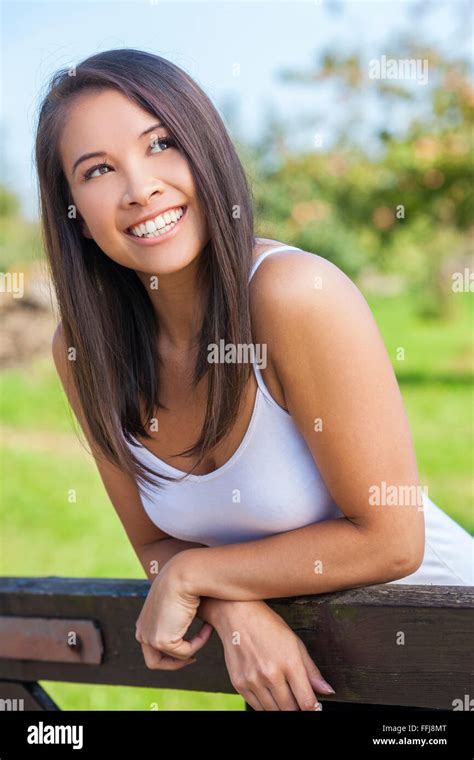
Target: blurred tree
x,y
19,238
9,203
399,202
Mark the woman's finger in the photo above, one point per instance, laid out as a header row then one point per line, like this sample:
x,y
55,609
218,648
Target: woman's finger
x,y
188,649
251,699
303,690
202,636
284,697
270,701
314,674
154,659
266,700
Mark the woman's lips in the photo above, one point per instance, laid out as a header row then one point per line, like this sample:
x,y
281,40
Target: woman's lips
x,y
156,240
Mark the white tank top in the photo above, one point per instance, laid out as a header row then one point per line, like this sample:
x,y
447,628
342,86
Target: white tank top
x,y
271,484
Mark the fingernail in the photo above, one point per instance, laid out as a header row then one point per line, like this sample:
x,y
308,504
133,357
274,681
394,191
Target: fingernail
x,y
191,662
325,686
318,706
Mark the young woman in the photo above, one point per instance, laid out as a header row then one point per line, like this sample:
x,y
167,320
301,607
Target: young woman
x,y
234,482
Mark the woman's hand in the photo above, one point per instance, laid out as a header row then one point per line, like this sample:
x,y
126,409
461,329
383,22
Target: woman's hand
x,y
165,617
267,663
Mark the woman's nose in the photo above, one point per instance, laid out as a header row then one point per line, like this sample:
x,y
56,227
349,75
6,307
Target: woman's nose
x,y
140,190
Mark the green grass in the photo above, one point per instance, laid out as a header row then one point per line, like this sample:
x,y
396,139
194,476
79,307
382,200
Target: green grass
x,y
57,519
33,400
436,382
441,420
434,350
92,697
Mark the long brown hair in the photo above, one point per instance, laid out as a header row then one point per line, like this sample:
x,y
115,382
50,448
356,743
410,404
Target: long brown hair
x,y
105,310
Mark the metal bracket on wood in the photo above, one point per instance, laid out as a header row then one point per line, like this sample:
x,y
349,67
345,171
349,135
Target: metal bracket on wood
x,y
51,640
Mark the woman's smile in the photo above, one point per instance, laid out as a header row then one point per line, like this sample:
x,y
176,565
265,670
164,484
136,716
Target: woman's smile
x,y
171,230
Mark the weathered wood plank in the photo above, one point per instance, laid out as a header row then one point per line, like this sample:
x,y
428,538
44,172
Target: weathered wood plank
x,y
51,639
385,644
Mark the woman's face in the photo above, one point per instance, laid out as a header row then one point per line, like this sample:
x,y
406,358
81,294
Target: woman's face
x,y
138,176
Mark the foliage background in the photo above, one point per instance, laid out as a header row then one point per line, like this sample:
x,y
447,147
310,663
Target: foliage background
x,y
340,199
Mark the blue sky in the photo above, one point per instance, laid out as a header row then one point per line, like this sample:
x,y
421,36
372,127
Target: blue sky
x,y
207,39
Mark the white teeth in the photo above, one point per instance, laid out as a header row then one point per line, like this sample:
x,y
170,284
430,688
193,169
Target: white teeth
x,y
160,232
159,223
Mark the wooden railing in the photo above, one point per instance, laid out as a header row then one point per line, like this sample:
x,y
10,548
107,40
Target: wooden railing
x,y
380,645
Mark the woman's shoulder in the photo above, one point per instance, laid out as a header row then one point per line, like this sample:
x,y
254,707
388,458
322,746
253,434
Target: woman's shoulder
x,y
292,273
262,245
298,285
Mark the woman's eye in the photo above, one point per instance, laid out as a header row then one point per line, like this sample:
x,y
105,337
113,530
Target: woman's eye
x,y
168,142
89,172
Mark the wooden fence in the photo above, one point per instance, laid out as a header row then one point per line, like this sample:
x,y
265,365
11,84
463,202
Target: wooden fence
x,y
408,646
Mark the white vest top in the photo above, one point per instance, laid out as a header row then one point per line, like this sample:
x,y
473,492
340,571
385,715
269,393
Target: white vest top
x,y
272,484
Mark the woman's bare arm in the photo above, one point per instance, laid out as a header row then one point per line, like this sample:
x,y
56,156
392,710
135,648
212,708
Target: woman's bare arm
x,y
328,556
154,557
342,393
153,547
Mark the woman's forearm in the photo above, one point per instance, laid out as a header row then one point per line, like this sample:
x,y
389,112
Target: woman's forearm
x,y
331,555
154,557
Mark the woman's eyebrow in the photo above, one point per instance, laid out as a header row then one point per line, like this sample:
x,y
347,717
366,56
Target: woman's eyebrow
x,y
98,153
